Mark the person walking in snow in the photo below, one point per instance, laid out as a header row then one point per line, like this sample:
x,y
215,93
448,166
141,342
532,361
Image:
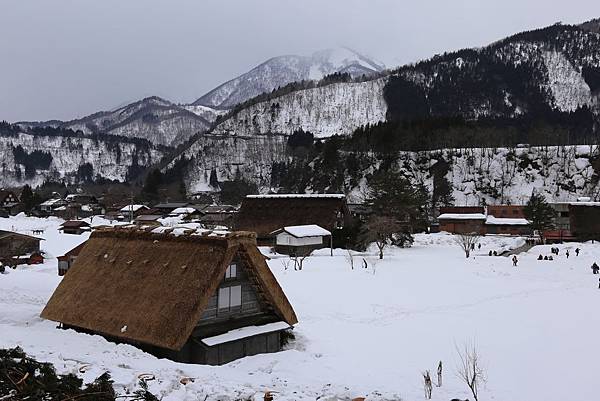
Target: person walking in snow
x,y
577,251
567,254
515,260
595,268
479,246
540,257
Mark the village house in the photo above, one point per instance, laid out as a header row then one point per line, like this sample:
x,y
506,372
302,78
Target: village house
x,y
132,211
50,205
166,208
188,295
84,199
76,227
301,240
17,248
184,212
462,223
265,214
506,225
575,220
9,202
218,215
148,220
496,219
66,261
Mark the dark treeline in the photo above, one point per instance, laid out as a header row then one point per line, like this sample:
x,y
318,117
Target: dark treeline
x,y
12,130
556,128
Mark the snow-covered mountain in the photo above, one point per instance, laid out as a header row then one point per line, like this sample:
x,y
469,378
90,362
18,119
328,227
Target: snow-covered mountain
x,y
154,119
337,108
33,157
282,70
541,72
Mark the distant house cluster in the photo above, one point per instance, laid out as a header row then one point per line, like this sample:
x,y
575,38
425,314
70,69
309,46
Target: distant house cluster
x,y
207,214
71,207
576,220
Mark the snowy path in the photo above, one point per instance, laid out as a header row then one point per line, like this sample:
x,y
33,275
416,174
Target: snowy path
x,y
365,332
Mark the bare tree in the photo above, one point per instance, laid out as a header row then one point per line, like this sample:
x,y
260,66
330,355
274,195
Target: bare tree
x,y
470,370
467,242
298,259
350,258
381,231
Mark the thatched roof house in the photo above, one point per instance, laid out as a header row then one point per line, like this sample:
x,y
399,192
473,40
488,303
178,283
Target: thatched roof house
x,y
196,297
265,214
76,227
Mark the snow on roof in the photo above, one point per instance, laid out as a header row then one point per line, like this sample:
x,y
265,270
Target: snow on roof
x,y
578,203
245,332
506,221
50,202
134,208
189,229
183,210
461,216
337,196
309,230
148,217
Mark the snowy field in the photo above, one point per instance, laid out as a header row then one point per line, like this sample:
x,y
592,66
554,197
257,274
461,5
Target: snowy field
x,y
362,332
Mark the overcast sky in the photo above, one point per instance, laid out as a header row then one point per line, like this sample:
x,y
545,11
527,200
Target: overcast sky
x,y
68,58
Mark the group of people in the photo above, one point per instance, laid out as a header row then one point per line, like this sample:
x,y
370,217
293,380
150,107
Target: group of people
x,y
556,251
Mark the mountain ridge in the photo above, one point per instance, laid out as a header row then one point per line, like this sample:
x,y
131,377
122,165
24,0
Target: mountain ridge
x,y
282,70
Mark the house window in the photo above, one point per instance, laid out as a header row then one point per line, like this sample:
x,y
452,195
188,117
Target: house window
x,y
230,297
231,271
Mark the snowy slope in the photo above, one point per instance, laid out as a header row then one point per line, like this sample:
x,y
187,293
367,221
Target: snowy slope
x,y
336,109
509,176
280,71
109,159
155,119
567,85
361,332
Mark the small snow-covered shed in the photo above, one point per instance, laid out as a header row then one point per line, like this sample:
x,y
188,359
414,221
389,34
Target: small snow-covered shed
x,y
301,240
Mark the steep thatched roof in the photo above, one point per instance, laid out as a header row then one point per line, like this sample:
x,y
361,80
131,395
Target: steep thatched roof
x,y
265,214
152,288
75,224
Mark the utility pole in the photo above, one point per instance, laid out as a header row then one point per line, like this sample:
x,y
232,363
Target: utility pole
x,y
131,207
